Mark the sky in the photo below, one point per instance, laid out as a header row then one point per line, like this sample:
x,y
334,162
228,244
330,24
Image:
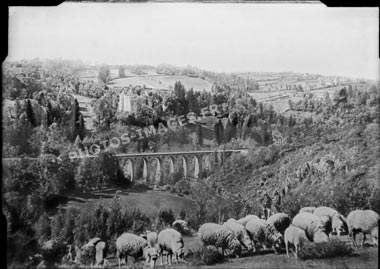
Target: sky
x,y
232,37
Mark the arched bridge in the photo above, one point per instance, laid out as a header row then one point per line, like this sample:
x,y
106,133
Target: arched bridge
x,y
157,165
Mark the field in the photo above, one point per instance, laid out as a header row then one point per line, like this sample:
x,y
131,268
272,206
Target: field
x,y
164,82
149,202
279,99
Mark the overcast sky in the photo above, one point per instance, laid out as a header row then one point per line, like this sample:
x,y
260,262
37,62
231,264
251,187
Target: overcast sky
x,y
219,37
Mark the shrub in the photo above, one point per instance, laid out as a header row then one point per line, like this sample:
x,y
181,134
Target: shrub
x,y
166,216
331,248
202,255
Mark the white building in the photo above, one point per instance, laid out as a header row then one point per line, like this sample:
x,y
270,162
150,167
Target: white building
x,y
127,103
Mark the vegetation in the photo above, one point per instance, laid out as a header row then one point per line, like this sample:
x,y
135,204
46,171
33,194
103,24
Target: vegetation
x,y
321,152
332,248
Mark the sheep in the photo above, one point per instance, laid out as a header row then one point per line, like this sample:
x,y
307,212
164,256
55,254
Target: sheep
x,y
361,221
129,244
86,254
244,221
308,209
240,233
151,255
220,237
257,230
280,221
152,239
100,248
375,236
296,237
338,223
181,226
312,225
171,241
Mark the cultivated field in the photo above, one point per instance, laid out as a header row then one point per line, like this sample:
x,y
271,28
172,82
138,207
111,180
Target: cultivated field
x,y
164,82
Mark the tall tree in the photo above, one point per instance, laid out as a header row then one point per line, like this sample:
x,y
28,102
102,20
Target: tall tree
x,y
30,114
104,74
121,72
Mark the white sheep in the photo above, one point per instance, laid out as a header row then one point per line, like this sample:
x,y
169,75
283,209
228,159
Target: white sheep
x,y
308,209
312,225
338,222
100,252
375,236
280,221
244,221
151,255
181,226
361,221
171,241
219,236
129,244
240,233
86,254
294,236
257,230
152,238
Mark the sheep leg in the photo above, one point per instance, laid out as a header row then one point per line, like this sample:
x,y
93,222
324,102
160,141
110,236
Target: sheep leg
x,y
287,248
354,239
170,257
363,240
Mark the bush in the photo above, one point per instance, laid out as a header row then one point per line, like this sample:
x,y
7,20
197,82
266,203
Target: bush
x,y
166,216
331,248
202,255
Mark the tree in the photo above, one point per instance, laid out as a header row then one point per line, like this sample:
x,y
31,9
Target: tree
x,y
200,134
29,113
219,132
121,72
104,74
192,101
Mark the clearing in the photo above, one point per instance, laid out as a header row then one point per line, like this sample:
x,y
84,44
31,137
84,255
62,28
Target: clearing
x,y
149,202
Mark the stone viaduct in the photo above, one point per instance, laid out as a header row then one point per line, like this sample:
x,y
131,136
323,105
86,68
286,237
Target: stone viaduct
x,y
155,166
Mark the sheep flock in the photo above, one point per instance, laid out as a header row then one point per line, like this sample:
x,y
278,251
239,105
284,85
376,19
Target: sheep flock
x,y
250,234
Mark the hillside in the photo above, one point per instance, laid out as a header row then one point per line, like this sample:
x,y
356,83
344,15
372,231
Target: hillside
x,y
315,169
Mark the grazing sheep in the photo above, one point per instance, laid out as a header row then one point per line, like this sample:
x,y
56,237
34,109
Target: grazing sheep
x,y
220,237
240,233
375,236
181,226
152,238
171,241
296,237
280,221
338,223
243,221
86,254
308,209
275,227
257,230
129,244
151,256
361,221
100,252
312,225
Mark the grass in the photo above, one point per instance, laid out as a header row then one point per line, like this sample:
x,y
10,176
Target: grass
x,y
149,202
